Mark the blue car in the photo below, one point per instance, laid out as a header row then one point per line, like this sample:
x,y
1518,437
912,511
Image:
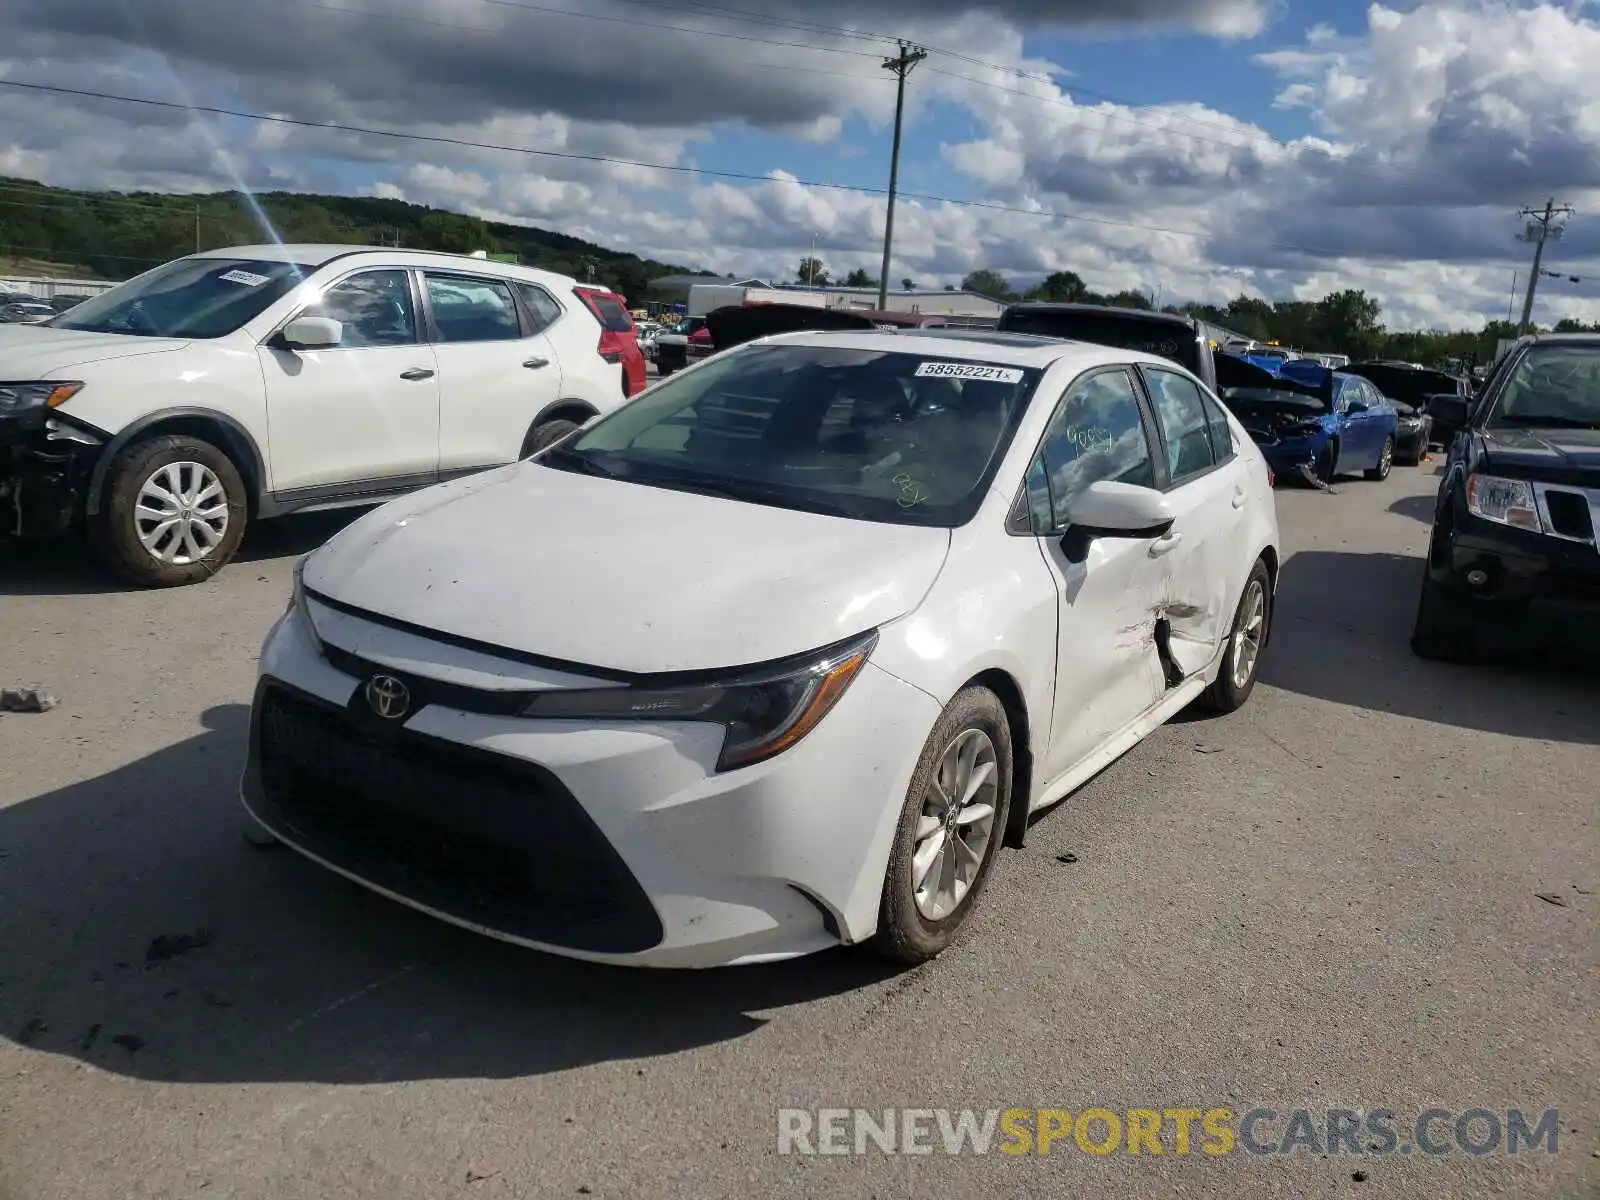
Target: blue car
x,y
1313,421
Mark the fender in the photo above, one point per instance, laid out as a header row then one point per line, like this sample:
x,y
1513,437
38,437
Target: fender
x,y
569,403
240,438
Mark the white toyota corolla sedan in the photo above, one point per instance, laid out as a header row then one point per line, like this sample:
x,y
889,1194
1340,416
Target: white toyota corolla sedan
x,y
776,656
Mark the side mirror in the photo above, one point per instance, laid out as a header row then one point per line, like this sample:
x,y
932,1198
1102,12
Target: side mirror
x,y
1447,409
312,333
1106,509
1357,406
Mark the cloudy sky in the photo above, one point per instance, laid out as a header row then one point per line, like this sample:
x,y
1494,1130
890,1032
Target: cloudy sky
x,y
1195,148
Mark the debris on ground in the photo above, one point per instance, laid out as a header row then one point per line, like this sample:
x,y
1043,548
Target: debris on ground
x,y
89,1039
170,945
1358,1176
33,698
131,1042
218,999
1202,748
1068,857
1310,476
480,1171
1555,898
31,1030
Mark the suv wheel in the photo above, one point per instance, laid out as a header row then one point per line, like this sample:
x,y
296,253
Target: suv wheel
x,y
174,513
542,437
1442,632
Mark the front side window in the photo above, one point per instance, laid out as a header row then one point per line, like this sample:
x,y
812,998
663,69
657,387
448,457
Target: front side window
x,y
1097,433
871,434
1182,417
373,309
189,298
472,310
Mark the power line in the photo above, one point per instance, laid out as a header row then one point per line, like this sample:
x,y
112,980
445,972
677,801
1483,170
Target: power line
x,y
671,168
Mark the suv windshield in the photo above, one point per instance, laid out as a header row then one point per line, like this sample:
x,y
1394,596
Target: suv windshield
x,y
189,298
1172,340
1553,386
875,435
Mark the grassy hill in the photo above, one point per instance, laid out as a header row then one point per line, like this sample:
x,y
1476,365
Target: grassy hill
x,y
114,235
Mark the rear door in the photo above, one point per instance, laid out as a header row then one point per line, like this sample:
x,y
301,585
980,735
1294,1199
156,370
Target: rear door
x,y
1204,476
497,369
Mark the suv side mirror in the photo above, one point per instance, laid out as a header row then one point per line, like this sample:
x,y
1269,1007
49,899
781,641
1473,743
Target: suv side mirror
x,y
1447,409
1107,509
312,333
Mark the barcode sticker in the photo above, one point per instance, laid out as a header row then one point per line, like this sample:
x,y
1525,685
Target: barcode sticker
x,y
957,370
248,278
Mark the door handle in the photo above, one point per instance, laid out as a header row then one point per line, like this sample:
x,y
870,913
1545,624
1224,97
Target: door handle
x,y
1238,499
1165,544
536,363
417,373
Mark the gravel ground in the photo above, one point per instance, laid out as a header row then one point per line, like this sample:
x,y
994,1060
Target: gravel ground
x,y
1327,900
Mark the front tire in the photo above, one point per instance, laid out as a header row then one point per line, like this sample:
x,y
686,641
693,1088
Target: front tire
x,y
1442,631
952,826
175,512
1247,638
1380,472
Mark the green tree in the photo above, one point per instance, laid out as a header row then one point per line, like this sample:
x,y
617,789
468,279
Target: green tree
x,y
1063,287
988,283
812,272
859,278
908,284
1131,298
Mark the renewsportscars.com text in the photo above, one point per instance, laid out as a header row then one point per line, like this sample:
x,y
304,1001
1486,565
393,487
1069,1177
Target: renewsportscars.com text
x,y
1181,1131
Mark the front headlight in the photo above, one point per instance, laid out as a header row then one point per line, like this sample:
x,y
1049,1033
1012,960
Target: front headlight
x,y
17,398
1505,501
300,608
764,713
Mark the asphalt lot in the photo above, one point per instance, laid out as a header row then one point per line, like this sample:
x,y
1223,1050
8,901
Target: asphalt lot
x,y
1326,900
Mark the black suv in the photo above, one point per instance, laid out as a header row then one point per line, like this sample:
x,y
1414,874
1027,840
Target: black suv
x,y
1514,525
1179,337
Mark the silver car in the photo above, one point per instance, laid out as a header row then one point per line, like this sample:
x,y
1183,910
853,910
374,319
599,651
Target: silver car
x,y
26,312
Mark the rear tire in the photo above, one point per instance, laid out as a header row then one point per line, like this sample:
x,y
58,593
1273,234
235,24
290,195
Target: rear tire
x,y
1380,472
940,860
175,512
1247,639
542,437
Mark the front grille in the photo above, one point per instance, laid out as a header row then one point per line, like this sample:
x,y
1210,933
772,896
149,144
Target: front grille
x,y
1569,514
474,835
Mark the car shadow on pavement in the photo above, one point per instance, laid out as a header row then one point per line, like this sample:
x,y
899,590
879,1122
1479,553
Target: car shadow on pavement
x,y
1418,508
68,567
1342,629
138,933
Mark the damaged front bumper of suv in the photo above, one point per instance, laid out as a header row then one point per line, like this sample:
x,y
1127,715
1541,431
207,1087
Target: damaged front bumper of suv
x,y
47,461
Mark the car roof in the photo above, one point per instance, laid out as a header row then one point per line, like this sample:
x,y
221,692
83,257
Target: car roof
x,y
313,255
1011,350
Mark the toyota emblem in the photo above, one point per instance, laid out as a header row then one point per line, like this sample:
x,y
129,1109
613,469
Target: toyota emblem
x,y
388,697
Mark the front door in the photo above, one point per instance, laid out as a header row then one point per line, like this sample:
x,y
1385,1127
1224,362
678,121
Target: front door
x,y
365,412
1205,481
497,371
1107,670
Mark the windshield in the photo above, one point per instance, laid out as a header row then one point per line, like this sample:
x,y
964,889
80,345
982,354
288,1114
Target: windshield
x,y
189,298
1552,385
1171,340
875,435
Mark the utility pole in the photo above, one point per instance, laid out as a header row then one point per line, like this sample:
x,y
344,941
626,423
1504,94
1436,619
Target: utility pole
x,y
197,229
909,57
1539,231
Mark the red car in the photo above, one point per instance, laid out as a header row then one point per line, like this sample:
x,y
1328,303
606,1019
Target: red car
x,y
619,343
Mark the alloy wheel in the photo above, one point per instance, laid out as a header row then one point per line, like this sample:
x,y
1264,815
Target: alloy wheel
x,y
182,513
956,826
1247,636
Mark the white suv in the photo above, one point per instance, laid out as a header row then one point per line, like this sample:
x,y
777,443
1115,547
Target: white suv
x,y
252,382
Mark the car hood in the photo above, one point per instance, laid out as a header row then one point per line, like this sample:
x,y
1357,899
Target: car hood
x,y
616,575
1405,383
1552,455
1277,404
35,351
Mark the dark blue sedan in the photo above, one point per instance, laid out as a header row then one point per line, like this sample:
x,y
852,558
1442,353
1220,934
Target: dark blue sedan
x,y
1317,422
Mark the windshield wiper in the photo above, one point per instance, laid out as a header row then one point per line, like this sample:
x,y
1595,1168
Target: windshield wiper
x,y
564,458
1548,421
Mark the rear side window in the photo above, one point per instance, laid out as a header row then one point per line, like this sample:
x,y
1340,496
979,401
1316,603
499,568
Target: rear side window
x,y
1221,434
472,310
1182,416
541,306
608,311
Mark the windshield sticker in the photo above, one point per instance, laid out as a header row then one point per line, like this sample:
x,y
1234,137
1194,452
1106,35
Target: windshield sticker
x,y
956,370
248,278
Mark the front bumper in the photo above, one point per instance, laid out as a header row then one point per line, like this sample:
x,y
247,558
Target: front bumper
x,y
46,463
610,842
1412,441
1520,568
